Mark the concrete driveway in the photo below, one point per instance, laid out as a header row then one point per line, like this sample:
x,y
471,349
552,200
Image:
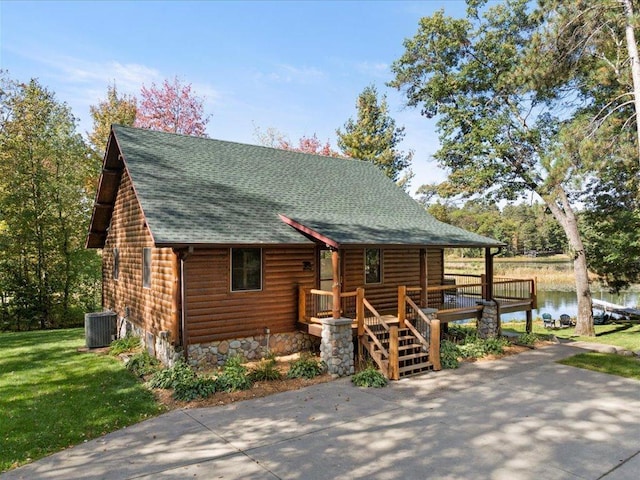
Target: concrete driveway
x,y
521,417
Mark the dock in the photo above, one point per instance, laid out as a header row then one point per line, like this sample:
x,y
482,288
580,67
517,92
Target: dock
x,y
617,309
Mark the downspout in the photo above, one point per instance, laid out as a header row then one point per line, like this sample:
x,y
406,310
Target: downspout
x,y
183,314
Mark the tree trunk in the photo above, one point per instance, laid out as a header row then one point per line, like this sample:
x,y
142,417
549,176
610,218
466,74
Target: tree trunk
x,y
632,50
567,219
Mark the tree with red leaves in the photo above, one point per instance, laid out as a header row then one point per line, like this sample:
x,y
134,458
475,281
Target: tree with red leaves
x,y
173,107
275,139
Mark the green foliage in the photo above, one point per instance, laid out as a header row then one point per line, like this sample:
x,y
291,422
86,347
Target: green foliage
x,y
168,378
46,274
373,137
92,394
449,354
128,343
194,388
528,338
142,364
234,376
369,377
305,367
613,364
266,370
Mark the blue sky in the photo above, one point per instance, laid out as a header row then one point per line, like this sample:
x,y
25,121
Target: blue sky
x,y
294,66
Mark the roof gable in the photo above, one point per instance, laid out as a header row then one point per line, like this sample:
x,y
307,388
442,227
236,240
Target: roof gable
x,y
203,191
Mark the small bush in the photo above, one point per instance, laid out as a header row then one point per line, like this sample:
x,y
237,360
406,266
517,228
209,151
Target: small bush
x,y
128,343
495,346
142,364
196,387
234,376
528,339
305,367
474,349
266,370
179,373
369,377
449,354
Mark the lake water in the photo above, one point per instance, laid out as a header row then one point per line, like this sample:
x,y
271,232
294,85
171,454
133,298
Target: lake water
x,y
557,303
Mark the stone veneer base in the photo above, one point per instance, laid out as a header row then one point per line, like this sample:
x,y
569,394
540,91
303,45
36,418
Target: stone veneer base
x,y
250,348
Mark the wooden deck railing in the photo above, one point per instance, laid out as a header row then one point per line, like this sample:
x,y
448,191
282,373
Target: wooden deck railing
x,y
411,316
373,324
314,304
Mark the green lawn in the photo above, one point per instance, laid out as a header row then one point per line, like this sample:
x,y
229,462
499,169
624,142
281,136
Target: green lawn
x,y
53,397
625,335
606,363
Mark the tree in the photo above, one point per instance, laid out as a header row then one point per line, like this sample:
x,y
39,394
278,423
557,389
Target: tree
x,y
120,109
374,137
44,207
172,108
498,136
273,138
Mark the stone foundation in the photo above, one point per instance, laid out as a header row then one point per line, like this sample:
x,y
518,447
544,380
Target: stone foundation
x,y
158,346
489,323
250,348
336,348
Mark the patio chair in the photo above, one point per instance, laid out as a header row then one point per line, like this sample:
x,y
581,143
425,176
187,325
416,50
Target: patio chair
x,y
565,321
548,320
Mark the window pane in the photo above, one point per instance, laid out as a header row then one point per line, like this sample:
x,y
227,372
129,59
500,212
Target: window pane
x,y
372,270
116,263
146,267
246,269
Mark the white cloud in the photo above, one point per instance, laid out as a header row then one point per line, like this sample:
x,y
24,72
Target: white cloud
x,y
285,73
374,69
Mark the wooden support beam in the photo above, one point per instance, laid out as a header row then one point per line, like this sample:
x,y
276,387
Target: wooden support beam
x,y
434,344
402,305
302,304
335,264
488,271
423,277
394,358
529,324
360,311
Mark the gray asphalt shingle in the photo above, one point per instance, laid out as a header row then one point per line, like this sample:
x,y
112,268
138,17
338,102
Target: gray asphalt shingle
x,y
204,191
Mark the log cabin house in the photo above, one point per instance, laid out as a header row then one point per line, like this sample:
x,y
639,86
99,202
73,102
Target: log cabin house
x,y
214,248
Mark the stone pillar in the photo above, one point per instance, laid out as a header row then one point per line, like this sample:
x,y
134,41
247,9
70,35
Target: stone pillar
x,y
336,348
488,324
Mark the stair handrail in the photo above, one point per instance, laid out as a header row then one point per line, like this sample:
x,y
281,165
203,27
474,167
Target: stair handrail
x,y
370,332
433,345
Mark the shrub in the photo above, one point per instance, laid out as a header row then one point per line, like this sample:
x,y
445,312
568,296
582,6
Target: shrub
x,y
475,349
128,343
179,373
369,377
449,354
195,387
266,370
305,367
142,364
495,346
528,339
234,376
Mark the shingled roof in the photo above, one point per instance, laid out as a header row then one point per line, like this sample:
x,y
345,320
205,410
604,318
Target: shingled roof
x,y
199,191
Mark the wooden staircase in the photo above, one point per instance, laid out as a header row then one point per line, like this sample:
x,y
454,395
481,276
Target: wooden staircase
x,y
412,355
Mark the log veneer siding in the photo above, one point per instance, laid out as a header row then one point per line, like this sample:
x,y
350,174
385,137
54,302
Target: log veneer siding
x,y
400,266
215,313
152,309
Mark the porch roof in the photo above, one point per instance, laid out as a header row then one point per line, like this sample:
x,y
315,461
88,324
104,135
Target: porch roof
x,y
203,191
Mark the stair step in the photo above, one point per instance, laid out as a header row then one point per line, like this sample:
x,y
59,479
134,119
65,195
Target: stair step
x,y
409,347
414,369
412,356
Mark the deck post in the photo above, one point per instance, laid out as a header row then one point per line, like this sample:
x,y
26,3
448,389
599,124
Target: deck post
x,y
423,278
302,304
402,307
529,324
394,362
335,264
434,343
360,310
488,271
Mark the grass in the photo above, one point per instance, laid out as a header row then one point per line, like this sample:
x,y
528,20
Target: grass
x,y
53,397
624,335
628,367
